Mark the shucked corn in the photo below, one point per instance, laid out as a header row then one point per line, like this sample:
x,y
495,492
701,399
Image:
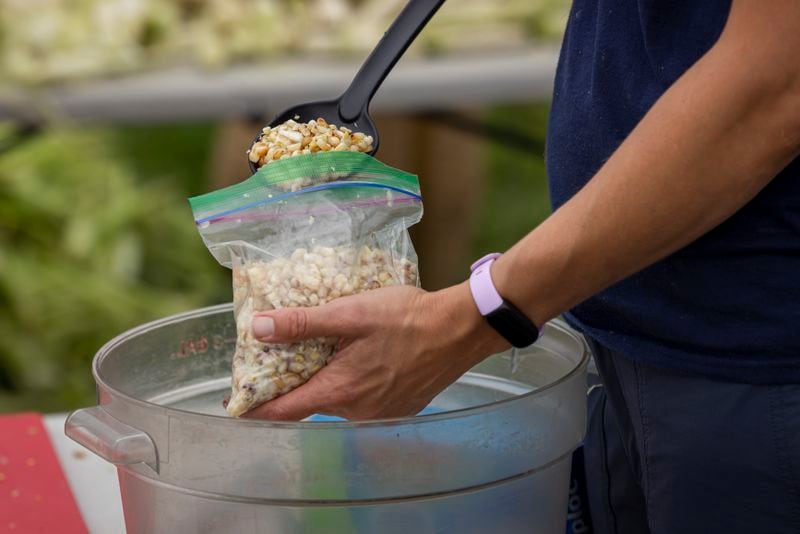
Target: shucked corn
x,y
305,278
294,138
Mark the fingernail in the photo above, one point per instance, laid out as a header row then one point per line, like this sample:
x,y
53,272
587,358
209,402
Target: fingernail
x,y
263,327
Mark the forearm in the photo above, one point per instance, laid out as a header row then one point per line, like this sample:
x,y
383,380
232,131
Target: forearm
x,y
713,140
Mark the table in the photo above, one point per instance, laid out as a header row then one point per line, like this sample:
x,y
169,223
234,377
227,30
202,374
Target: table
x,y
93,481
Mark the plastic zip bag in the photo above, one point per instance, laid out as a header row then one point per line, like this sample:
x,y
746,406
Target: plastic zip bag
x,y
302,232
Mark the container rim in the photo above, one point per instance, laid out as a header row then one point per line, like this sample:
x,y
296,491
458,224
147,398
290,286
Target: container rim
x,y
103,352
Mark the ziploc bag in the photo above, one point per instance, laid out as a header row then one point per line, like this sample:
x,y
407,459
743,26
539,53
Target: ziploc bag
x,y
301,232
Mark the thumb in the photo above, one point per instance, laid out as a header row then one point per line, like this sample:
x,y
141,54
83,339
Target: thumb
x,y
296,405
296,324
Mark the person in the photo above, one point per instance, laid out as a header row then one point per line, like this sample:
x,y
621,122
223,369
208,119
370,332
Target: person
x,y
674,246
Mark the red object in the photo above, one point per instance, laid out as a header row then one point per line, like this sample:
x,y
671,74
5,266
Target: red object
x,y
34,494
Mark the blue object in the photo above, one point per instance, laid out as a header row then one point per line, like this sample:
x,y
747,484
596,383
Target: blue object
x,y
579,520
317,417
727,305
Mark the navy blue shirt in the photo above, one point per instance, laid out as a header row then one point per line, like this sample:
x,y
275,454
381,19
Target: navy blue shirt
x,y
727,305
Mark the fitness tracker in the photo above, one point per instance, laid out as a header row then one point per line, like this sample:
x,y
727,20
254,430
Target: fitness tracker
x,y
501,314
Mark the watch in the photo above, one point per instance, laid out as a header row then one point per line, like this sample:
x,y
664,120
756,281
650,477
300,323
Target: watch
x,y
501,314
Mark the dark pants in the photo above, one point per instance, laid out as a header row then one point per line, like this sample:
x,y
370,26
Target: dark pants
x,y
673,453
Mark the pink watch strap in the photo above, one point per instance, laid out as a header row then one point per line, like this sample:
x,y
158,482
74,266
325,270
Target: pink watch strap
x,y
482,287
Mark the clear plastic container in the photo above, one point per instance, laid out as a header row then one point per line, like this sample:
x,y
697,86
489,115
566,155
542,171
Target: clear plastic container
x,y
492,454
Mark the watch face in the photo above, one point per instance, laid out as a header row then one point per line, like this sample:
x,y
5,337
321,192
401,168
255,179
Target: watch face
x,y
513,325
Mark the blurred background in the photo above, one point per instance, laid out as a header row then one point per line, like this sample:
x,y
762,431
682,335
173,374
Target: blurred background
x,y
113,112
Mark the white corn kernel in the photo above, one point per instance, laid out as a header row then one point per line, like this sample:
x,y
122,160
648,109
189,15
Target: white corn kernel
x,y
293,139
306,277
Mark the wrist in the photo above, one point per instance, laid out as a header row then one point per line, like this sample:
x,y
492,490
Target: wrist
x,y
463,324
539,311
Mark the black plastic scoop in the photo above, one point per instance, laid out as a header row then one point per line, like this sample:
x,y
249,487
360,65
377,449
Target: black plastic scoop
x,y
351,110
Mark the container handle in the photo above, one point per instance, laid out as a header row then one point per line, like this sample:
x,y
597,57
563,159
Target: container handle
x,y
110,438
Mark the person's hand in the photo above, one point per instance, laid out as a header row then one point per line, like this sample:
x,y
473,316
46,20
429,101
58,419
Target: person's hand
x,y
398,348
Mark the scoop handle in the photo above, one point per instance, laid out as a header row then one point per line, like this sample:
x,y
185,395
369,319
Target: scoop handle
x,y
355,100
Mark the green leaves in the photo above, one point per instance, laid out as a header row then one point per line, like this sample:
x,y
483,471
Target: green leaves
x,y
517,186
87,250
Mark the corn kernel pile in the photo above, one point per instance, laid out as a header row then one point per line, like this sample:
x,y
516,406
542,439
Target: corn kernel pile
x,y
294,138
313,277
